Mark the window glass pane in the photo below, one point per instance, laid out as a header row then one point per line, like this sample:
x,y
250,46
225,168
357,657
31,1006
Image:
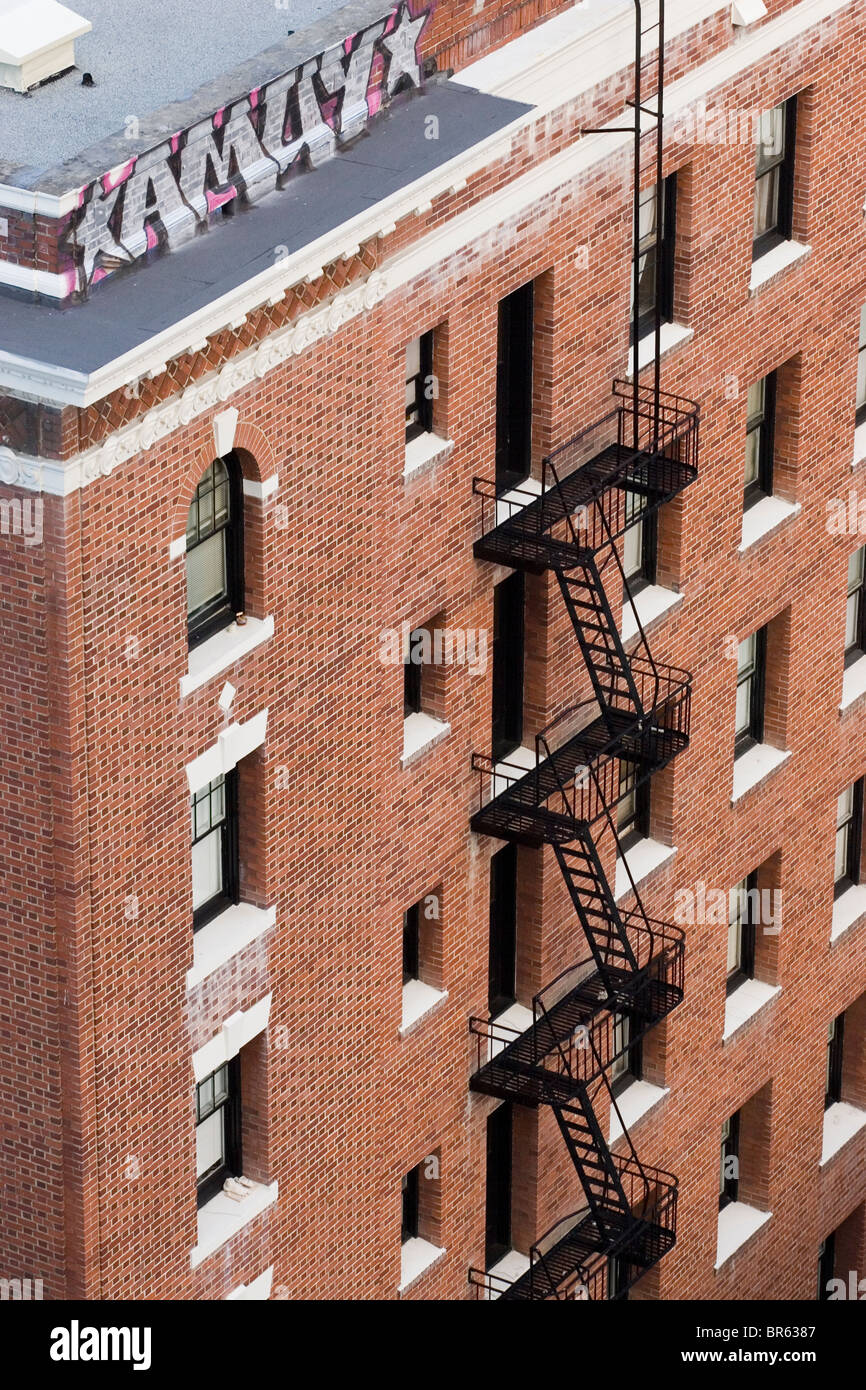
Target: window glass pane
x,y
220,1084
844,806
210,1143
840,866
855,569
771,137
204,1095
207,868
632,550
766,203
852,610
753,451
746,654
413,359
755,399
744,698
206,575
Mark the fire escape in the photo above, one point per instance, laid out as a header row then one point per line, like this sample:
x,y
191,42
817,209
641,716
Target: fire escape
x,y
612,475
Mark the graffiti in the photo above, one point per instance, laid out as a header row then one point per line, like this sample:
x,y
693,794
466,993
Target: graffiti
x,y
246,149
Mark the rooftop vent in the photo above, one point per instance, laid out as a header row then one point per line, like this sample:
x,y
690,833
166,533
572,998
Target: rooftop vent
x,y
37,41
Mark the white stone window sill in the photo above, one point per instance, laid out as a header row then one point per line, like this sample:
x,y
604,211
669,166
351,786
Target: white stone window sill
x,y
672,335
766,267
420,732
848,908
222,1217
738,1222
511,1267
651,603
745,1002
424,453
226,936
510,503
418,1000
755,766
764,517
643,859
853,683
506,1026
510,770
841,1122
636,1101
222,650
256,1291
416,1256
859,445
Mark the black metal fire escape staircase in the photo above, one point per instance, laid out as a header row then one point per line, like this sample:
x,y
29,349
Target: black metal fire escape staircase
x,y
592,489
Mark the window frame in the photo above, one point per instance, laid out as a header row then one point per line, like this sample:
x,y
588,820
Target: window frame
x,y
499,1136
762,486
852,826
662,243
860,406
646,570
628,1065
515,335
747,937
509,665
835,1060
632,825
854,650
783,228
753,733
208,1185
421,406
502,939
412,679
410,1204
228,828
216,615
412,943
730,1148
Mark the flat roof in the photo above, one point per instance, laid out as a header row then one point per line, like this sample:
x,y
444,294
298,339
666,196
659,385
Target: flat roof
x,y
144,56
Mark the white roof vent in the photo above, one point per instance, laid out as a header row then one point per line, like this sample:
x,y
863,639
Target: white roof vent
x,y
37,41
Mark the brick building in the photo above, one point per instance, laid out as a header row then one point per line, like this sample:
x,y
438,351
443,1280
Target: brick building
x,y
535,963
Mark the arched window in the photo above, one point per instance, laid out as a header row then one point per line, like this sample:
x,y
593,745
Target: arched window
x,y
215,550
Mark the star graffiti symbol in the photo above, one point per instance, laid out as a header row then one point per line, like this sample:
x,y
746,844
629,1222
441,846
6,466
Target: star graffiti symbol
x,y
401,46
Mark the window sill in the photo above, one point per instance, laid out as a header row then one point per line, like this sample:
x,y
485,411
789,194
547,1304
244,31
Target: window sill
x,y
637,1100
222,650
420,732
256,1291
673,334
738,1222
764,518
643,859
418,1001
416,1257
774,262
754,767
226,936
512,502
222,1217
841,1122
853,683
745,1002
509,1269
649,605
859,445
848,908
423,453
510,770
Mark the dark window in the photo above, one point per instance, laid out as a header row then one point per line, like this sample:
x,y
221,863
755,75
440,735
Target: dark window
x,y
218,1129
855,608
419,386
412,669
410,1205
742,926
498,1211
627,1065
502,987
617,1277
633,807
826,1265
835,1045
849,831
215,550
751,668
411,939
215,874
508,640
861,371
514,389
640,544
760,430
655,254
729,1165
774,177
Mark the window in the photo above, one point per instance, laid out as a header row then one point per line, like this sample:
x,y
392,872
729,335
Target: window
x,y
640,545
729,1164
412,673
419,386
855,608
742,932
502,972
499,1177
214,550
508,643
826,1266
633,807
774,177
410,1205
617,1277
218,1129
411,942
751,664
849,830
655,256
760,429
861,371
833,1077
627,1065
514,388
215,873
